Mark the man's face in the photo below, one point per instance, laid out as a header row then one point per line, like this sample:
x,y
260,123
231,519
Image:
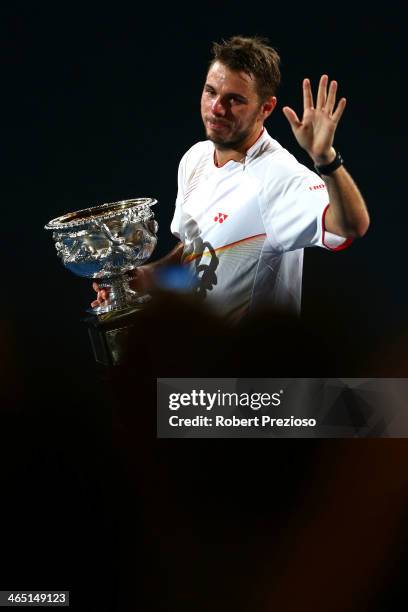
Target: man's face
x,y
230,107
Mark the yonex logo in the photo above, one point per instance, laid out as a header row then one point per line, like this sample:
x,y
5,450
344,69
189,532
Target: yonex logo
x,y
321,186
220,217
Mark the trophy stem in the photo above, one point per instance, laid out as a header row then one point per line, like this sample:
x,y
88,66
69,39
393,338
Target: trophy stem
x,y
120,294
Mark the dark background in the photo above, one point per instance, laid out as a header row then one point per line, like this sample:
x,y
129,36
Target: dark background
x,y
99,105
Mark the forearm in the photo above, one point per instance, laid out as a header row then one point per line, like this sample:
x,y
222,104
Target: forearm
x,y
173,258
347,214
144,278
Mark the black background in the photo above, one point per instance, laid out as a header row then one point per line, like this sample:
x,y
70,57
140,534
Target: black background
x,y
99,105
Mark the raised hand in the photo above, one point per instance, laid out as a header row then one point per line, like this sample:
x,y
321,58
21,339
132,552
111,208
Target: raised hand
x,y
315,132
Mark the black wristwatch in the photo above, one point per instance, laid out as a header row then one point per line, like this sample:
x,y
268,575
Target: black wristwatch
x,y
329,168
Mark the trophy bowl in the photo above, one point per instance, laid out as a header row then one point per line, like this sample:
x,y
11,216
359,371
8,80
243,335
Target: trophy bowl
x,y
104,243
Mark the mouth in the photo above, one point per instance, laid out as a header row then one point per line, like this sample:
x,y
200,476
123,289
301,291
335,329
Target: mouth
x,y
217,125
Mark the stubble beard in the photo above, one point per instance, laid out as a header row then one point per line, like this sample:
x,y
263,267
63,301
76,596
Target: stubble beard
x,y
233,142
225,144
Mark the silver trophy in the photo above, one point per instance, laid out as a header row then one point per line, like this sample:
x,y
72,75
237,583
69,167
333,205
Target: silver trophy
x,y
105,243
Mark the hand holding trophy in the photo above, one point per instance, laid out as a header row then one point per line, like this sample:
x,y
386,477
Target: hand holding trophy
x,y
105,243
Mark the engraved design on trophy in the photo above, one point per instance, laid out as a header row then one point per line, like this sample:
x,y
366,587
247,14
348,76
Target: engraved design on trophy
x,y
105,243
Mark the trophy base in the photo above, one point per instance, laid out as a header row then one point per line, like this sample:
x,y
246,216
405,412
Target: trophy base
x,y
109,333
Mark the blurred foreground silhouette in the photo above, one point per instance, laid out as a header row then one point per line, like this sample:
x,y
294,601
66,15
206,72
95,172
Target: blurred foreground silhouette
x,y
200,524
252,524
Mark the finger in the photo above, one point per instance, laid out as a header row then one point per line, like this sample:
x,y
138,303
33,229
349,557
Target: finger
x,y
102,295
95,304
307,95
291,116
322,91
331,98
95,286
339,110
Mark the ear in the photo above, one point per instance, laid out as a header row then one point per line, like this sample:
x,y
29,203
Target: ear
x,y
268,106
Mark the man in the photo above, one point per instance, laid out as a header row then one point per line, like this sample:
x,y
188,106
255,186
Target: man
x,y
245,207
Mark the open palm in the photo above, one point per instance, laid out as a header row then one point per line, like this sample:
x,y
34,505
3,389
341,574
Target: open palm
x,y
315,132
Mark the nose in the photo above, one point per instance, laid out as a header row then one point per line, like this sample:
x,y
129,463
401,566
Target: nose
x,y
217,107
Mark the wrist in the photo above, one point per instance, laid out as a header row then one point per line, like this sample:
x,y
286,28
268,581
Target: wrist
x,y
324,159
328,169
142,278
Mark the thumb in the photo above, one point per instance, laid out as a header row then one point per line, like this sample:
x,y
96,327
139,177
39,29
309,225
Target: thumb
x,y
291,116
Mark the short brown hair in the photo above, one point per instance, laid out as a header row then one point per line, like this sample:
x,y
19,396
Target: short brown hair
x,y
253,56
